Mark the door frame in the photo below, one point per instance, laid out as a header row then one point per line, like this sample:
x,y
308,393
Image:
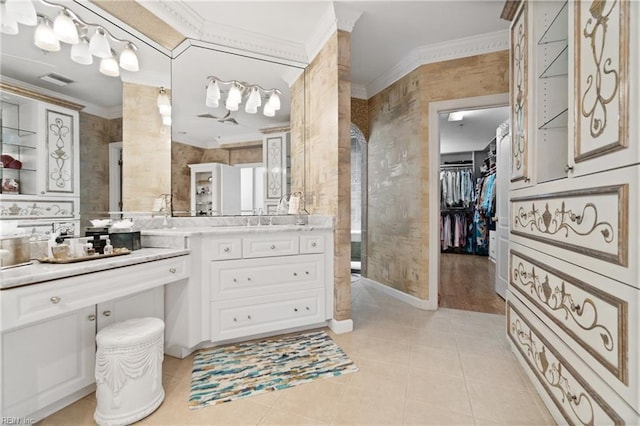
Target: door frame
x,y
435,108
115,177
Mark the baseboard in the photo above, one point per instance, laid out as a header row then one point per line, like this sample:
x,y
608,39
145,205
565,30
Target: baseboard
x,y
341,326
428,305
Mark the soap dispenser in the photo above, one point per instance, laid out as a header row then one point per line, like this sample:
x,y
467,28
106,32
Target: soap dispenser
x,y
108,248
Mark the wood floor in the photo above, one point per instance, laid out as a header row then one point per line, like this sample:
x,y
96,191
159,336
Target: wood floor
x,y
467,283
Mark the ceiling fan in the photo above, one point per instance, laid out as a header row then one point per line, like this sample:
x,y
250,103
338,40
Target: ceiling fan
x,y
226,119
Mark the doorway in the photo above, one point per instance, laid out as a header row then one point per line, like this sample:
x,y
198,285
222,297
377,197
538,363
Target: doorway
x,y
465,202
358,202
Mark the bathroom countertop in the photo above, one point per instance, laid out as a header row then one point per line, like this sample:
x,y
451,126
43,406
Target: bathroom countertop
x,y
41,272
222,230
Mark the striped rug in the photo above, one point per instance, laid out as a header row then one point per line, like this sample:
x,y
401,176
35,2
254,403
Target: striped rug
x,y
226,373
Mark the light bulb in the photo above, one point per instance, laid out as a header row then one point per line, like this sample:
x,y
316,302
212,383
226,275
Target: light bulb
x,y
274,101
80,52
129,59
21,11
165,109
9,22
213,94
45,38
65,29
109,66
166,120
99,45
163,98
231,105
235,95
253,102
268,110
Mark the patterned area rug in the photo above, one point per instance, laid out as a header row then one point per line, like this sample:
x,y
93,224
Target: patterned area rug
x,y
230,372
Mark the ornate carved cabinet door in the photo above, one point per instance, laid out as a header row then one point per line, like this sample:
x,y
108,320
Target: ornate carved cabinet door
x,y
59,156
606,57
519,96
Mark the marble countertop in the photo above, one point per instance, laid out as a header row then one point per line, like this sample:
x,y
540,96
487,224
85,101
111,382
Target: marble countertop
x,y
40,272
222,230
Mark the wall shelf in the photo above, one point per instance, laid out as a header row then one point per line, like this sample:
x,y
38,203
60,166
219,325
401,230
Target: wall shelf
x,y
558,29
556,122
559,65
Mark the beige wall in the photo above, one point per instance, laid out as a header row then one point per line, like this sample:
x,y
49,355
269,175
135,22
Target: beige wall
x,y
146,149
398,208
324,91
95,135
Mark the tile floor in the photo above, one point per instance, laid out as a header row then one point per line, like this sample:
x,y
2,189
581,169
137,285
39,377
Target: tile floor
x,y
448,367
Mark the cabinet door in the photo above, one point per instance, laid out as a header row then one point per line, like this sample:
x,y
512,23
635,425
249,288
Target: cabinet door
x,y
606,85
59,165
47,361
519,93
149,303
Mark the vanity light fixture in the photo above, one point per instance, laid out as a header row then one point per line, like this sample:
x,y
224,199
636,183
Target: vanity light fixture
x,y
238,91
164,106
86,39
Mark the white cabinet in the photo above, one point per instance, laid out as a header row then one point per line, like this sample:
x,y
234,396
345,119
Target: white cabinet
x,y
283,280
574,251
47,330
40,153
47,361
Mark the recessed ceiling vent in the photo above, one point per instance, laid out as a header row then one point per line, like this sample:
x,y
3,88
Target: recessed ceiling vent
x,y
56,79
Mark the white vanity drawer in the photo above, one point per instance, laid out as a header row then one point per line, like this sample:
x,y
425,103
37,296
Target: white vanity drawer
x,y
24,305
257,277
597,317
311,243
223,248
269,245
579,395
245,317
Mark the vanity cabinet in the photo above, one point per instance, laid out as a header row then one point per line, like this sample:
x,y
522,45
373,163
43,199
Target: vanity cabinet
x,y
40,153
48,330
572,300
277,281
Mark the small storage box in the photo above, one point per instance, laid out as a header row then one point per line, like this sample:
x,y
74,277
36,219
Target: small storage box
x,y
128,239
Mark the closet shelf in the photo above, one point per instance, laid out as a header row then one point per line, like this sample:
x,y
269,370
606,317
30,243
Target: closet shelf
x,y
558,29
559,66
556,122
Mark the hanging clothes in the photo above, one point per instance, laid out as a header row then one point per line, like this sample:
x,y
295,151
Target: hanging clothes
x,y
456,187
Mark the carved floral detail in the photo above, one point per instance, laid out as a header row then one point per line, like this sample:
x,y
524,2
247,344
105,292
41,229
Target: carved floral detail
x,y
61,174
35,209
583,313
597,94
274,168
553,373
564,220
519,147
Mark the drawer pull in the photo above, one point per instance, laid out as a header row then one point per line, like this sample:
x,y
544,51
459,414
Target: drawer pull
x,y
227,249
306,272
91,317
295,309
55,300
248,278
307,308
248,316
313,244
576,308
295,274
172,270
273,246
107,313
235,319
235,280
568,168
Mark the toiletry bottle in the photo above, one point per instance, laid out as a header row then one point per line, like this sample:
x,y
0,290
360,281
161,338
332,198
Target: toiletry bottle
x,y
108,248
52,243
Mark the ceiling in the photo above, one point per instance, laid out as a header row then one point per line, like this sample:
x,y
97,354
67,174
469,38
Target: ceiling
x,y
388,39
474,132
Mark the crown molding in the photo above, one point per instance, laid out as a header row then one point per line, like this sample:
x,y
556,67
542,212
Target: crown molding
x,y
180,16
440,52
326,26
346,17
359,91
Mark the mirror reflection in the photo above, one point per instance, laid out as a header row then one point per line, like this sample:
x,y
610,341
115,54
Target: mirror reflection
x,y
230,132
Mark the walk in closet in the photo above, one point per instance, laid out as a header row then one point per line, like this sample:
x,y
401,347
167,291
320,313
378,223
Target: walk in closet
x,y
467,187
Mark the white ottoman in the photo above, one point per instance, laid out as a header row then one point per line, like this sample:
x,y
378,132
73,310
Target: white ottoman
x,y
129,371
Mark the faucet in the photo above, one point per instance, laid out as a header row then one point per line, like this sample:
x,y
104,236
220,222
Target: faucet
x,y
260,212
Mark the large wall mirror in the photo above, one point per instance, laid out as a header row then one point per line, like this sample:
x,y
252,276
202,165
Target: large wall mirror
x,y
229,158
